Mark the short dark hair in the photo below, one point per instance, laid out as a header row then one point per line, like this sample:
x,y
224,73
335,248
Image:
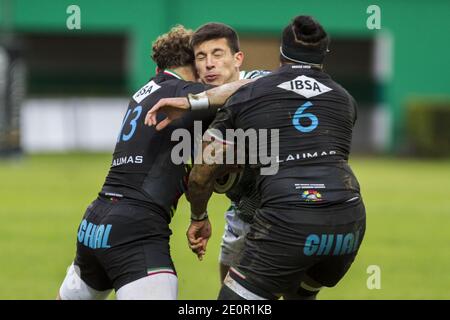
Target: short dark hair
x,y
215,30
173,49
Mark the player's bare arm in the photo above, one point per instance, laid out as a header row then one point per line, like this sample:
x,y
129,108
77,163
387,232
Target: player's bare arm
x,y
174,108
200,189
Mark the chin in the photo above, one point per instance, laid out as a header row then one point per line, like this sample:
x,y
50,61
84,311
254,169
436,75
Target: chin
x,y
217,82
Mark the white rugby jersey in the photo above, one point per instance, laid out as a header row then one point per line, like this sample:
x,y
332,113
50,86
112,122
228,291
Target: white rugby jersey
x,y
253,74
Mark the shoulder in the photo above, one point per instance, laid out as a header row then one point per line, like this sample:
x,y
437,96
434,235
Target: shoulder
x,y
242,95
183,87
253,90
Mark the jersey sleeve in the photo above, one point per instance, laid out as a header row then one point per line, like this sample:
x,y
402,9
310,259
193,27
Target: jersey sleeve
x,y
354,107
206,116
352,104
225,116
254,74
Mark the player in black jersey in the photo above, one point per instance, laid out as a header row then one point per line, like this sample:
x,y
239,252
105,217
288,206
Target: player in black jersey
x,y
312,218
123,239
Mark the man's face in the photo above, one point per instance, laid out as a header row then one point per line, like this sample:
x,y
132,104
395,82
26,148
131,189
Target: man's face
x,y
215,63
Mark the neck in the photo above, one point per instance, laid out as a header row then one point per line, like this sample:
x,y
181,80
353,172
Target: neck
x,y
235,76
186,72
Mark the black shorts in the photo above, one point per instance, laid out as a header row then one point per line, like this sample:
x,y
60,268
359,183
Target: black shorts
x,y
278,256
120,241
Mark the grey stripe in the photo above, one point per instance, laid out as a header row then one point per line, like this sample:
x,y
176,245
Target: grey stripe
x,y
240,290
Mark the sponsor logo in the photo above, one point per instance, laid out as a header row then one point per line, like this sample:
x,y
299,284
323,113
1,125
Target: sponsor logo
x,y
145,91
305,86
331,244
127,160
94,236
305,155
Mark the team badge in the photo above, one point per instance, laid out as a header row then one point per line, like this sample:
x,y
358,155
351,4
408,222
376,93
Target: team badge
x,y
311,196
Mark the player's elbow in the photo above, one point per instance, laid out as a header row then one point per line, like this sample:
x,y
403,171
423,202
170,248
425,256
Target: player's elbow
x,y
197,184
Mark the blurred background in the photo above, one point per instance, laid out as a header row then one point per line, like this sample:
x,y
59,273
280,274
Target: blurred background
x,y
67,69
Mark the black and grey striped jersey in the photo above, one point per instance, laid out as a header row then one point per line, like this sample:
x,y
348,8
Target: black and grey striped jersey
x,y
314,117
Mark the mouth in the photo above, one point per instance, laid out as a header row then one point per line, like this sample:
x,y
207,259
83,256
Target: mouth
x,y
211,77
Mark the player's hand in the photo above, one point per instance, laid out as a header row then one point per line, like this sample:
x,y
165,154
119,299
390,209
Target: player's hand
x,y
198,235
173,108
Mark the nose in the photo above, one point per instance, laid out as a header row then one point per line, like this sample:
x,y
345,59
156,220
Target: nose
x,y
209,62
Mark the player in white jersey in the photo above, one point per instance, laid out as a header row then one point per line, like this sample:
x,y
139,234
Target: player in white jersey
x,y
218,60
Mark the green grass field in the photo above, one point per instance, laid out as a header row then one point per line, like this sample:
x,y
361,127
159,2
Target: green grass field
x,y
43,197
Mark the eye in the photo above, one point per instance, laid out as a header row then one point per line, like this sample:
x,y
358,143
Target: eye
x,y
200,57
218,54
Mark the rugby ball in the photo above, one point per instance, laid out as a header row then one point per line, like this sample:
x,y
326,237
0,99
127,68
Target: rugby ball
x,y
227,182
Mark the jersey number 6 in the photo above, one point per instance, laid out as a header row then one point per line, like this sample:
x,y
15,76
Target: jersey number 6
x,y
300,115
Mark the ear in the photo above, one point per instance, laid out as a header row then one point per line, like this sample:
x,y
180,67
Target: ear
x,y
238,59
158,70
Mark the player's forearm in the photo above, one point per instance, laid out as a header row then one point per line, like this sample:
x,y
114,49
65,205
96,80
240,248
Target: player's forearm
x,y
200,188
219,95
215,97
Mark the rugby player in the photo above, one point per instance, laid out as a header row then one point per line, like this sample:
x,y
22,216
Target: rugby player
x,y
218,59
311,222
123,239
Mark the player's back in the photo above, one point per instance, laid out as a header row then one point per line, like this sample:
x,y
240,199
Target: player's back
x,y
142,168
315,117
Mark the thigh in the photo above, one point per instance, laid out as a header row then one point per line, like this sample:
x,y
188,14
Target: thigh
x,y
162,286
270,259
233,237
138,247
335,263
74,288
277,258
86,262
